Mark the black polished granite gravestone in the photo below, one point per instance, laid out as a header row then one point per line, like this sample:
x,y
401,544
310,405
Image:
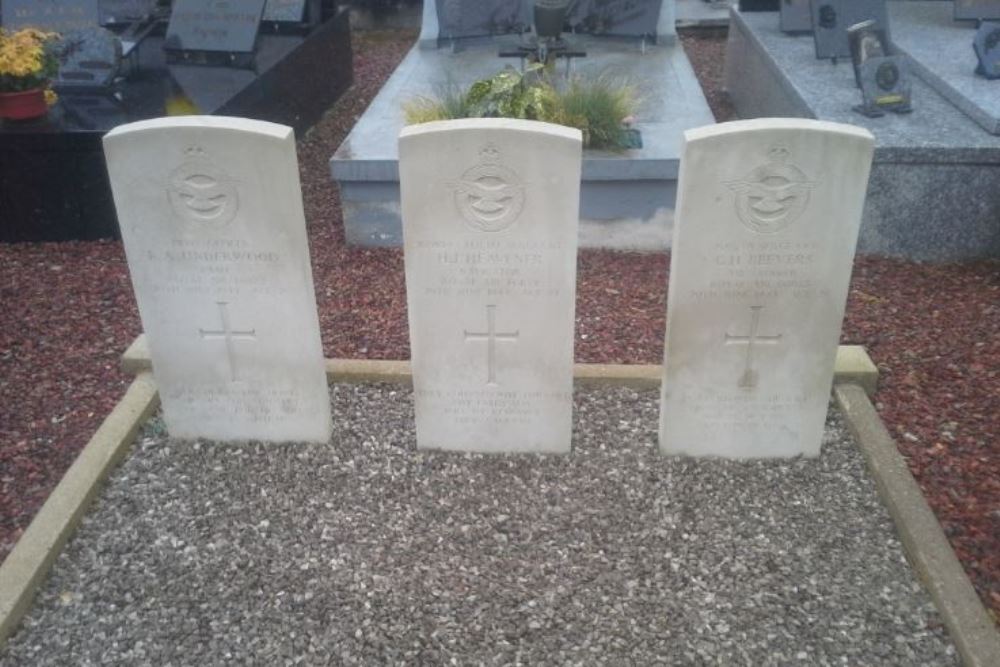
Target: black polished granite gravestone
x,y
977,10
832,18
53,181
57,15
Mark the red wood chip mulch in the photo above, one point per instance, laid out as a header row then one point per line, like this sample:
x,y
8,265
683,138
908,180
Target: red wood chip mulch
x,y
934,331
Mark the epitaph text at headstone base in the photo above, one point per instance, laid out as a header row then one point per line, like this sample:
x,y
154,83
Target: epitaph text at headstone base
x,y
490,215
767,222
214,25
54,15
211,217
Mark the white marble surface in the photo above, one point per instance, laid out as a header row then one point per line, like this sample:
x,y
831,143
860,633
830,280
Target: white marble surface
x,y
767,222
210,211
490,210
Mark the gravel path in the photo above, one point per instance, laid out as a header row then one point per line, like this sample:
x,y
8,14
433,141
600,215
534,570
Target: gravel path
x,y
372,553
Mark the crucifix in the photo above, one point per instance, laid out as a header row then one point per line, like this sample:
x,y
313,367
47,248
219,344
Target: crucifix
x,y
491,337
229,335
749,378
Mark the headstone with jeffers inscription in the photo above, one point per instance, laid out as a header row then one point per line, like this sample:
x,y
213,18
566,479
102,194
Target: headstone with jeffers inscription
x,y
767,221
490,215
210,211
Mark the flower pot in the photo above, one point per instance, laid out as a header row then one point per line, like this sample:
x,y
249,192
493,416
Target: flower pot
x,y
23,105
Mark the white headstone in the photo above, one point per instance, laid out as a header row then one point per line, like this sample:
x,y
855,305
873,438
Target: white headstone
x,y
210,211
767,221
490,215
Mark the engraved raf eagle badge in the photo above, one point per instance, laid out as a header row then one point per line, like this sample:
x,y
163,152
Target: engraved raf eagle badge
x,y
773,195
489,196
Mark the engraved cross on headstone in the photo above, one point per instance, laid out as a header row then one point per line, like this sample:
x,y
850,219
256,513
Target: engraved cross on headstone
x,y
491,337
229,335
750,376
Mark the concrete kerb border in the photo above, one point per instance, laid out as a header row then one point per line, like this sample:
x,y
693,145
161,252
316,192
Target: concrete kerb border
x,y
855,380
852,365
26,567
975,634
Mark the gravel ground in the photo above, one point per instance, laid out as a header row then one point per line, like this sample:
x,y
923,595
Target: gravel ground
x,y
368,552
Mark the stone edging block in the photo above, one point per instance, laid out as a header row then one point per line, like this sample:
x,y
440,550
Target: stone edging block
x,y
925,544
853,365
26,567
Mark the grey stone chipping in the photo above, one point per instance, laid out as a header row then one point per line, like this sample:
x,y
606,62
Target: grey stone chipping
x,y
370,552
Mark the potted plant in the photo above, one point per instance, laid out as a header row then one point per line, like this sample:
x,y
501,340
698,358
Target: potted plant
x,y
27,65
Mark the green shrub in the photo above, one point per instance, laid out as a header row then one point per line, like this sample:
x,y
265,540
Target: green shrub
x,y
598,107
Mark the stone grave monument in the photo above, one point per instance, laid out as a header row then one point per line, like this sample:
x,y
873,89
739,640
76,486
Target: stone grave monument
x,y
627,197
212,222
948,144
123,74
490,211
767,222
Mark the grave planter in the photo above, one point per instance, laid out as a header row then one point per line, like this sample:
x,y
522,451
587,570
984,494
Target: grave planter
x,y
23,105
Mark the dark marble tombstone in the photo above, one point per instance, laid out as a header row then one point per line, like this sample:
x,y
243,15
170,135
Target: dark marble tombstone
x,y
832,18
228,26
53,179
116,12
885,86
796,16
615,17
981,10
56,15
987,45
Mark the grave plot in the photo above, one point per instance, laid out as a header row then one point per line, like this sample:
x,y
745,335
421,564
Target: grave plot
x,y
367,551
627,197
932,195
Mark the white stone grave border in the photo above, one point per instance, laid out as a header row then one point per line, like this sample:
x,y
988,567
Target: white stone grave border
x,y
975,634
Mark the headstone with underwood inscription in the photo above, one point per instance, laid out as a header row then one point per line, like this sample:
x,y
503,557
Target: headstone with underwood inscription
x,y
210,211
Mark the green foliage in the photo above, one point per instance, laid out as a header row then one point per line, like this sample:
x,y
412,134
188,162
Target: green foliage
x,y
599,108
